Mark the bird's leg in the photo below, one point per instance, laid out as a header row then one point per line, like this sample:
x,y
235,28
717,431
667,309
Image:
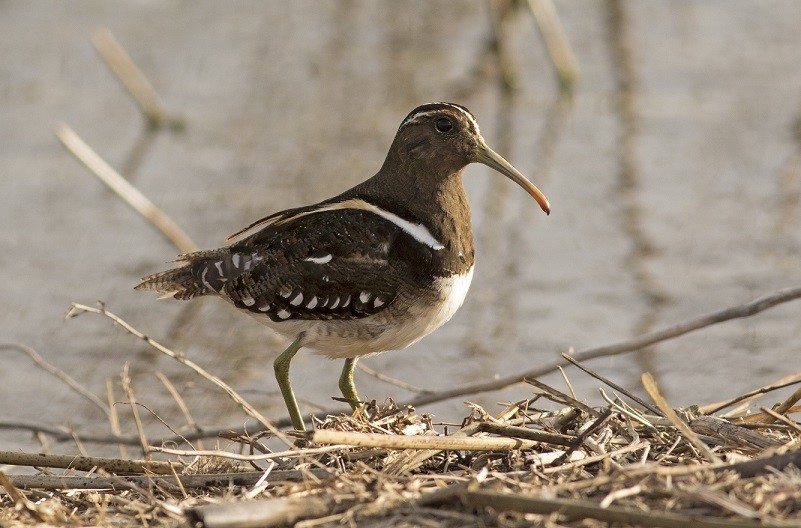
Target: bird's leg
x,y
346,384
281,366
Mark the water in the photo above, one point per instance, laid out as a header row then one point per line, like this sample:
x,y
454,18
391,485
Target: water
x,y
674,175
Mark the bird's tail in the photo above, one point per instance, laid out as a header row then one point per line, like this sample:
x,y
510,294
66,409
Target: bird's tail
x,y
184,282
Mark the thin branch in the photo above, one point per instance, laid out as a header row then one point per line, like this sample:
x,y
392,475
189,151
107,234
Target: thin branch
x,y
625,409
585,435
786,405
63,434
130,194
77,309
247,458
132,78
387,379
612,384
583,509
786,381
526,433
198,481
179,401
451,443
140,429
81,463
781,418
653,390
164,423
556,42
736,312
114,417
81,449
560,397
570,466
59,374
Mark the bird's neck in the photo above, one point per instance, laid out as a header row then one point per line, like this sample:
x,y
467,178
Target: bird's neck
x,y
438,201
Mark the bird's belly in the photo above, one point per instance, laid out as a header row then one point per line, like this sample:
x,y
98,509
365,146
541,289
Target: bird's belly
x,y
408,319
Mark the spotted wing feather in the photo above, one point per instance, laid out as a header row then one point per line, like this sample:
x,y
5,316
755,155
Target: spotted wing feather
x,y
329,265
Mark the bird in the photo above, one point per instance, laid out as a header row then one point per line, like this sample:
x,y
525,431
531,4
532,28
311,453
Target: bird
x,y
373,269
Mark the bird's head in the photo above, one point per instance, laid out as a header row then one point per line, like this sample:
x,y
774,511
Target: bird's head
x,y
445,138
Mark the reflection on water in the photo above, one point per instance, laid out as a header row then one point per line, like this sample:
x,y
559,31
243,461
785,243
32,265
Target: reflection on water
x,y
674,172
653,296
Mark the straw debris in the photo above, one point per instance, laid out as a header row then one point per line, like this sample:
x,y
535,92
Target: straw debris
x,y
549,460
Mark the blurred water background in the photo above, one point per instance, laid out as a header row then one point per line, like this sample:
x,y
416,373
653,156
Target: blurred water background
x,y
674,173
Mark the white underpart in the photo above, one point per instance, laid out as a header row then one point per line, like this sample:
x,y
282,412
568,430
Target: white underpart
x,y
297,300
425,318
320,260
454,290
396,330
312,303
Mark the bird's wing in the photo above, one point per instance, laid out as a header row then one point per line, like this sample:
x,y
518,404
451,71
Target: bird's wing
x,y
333,263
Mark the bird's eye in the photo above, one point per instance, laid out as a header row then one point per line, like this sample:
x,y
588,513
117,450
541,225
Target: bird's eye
x,y
444,124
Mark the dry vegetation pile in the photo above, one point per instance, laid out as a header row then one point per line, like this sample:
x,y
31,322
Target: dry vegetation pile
x,y
550,460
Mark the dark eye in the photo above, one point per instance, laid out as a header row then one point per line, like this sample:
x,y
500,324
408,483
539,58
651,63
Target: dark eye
x,y
443,124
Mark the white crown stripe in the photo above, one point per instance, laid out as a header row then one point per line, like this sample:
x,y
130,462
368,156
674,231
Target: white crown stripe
x,y
419,115
425,113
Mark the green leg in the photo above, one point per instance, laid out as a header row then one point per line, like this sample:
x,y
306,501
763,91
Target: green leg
x,y
281,366
346,384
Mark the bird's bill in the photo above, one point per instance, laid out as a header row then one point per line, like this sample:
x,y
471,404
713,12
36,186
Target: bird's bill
x,y
493,160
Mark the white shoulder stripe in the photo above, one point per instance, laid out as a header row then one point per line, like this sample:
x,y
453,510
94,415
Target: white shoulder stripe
x,y
417,231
